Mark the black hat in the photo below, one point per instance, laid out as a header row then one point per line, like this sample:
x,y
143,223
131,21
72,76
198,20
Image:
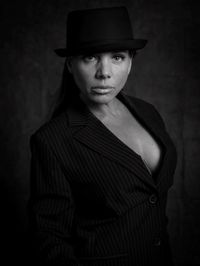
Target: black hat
x,y
98,30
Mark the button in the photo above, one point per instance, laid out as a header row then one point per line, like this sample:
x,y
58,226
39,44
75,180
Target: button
x,y
157,242
153,199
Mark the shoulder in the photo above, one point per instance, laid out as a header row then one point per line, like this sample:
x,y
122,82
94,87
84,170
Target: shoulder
x,y
52,132
145,108
138,102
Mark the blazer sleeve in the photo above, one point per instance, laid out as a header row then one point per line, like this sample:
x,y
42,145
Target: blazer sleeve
x,y
51,208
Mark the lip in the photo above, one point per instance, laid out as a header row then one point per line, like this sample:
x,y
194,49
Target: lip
x,y
102,89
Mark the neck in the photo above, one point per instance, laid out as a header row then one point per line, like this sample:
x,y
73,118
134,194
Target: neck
x,y
105,110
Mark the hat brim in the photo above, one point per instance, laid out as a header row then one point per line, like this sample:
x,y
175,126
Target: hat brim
x,y
102,47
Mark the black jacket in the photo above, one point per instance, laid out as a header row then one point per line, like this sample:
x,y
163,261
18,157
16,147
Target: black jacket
x,y
93,201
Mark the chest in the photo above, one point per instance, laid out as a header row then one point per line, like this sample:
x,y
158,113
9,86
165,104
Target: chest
x,y
136,137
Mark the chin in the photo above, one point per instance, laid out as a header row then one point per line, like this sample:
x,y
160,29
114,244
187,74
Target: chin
x,y
101,99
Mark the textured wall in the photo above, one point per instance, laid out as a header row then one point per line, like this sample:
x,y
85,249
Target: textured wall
x,y
165,73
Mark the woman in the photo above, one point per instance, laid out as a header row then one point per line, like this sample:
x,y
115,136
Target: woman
x,y
101,168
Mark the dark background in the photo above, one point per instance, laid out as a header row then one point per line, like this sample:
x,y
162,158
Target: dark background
x,y
165,73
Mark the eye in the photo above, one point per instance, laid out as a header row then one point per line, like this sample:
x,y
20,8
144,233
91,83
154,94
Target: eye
x,y
89,58
118,57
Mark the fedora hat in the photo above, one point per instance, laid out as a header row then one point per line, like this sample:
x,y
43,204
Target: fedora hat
x,y
99,30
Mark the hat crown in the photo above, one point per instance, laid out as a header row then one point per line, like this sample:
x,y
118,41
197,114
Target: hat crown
x,y
99,30
98,25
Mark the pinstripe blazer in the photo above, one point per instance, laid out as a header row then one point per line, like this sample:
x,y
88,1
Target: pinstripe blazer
x,y
93,201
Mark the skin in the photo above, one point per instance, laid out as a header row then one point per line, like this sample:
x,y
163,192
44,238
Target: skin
x,y
100,77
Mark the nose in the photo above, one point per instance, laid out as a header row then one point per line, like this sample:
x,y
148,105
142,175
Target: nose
x,y
103,69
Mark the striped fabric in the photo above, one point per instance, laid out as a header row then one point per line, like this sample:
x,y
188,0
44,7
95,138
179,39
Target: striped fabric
x,y
93,201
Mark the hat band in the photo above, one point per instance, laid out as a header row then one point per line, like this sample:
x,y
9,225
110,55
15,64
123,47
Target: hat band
x,y
77,45
101,46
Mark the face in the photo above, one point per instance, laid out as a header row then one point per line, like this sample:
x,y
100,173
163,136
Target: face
x,y
100,77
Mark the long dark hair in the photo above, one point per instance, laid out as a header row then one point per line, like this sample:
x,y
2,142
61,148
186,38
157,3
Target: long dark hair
x,y
68,92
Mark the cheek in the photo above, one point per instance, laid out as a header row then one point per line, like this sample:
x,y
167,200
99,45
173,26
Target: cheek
x,y
82,78
122,76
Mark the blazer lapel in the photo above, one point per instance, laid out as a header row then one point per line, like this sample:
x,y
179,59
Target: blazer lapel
x,y
91,132
145,118
160,134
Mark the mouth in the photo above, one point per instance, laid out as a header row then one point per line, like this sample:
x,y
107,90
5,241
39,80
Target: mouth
x,y
102,89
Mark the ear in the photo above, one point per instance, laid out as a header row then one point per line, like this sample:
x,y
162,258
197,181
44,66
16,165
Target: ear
x,y
130,65
69,64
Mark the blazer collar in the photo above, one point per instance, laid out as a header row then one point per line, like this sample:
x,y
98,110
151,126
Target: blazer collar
x,y
91,132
